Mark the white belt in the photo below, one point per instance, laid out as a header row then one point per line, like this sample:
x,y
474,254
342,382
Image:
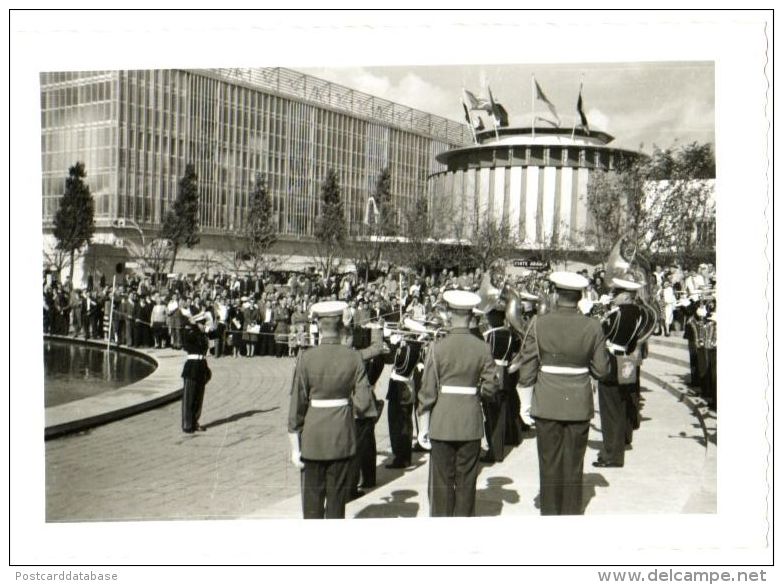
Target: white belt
x,y
195,356
329,403
563,370
445,389
399,377
613,347
503,363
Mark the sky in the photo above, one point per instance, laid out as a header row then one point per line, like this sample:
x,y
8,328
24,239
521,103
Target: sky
x,y
640,104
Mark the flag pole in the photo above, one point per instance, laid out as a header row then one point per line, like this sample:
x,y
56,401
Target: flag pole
x,y
470,119
533,102
573,130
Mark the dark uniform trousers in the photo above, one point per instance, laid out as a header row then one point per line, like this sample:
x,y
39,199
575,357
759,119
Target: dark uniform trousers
x,y
192,401
325,488
454,467
615,402
400,421
561,452
495,413
366,453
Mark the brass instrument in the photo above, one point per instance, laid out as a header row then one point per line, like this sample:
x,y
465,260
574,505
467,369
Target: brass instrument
x,y
626,263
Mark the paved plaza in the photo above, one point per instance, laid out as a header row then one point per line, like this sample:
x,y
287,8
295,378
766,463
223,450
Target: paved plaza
x,y
144,468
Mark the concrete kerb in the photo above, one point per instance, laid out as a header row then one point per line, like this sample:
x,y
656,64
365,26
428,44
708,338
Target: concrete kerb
x,y
162,386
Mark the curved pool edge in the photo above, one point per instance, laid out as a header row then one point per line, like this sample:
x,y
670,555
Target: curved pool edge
x,y
162,386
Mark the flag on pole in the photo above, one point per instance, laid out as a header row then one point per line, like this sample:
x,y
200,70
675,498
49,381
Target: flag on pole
x,y
493,110
468,118
479,125
474,103
540,95
580,109
547,120
501,115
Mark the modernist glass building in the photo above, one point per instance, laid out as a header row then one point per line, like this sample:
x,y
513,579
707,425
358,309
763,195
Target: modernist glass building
x,y
136,130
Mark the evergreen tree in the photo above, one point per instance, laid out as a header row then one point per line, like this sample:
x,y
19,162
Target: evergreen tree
x,y
260,231
74,222
330,229
181,224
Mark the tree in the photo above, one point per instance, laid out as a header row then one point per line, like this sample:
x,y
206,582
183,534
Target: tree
x,y
74,222
491,240
181,224
330,227
419,249
155,256
260,230
660,201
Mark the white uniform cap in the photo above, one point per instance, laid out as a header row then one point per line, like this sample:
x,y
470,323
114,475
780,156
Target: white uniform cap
x,y
568,280
626,284
329,308
461,299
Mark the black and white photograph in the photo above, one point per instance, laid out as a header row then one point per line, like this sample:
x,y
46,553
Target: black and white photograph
x,y
435,292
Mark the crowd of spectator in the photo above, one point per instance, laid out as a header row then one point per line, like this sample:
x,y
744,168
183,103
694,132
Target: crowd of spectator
x,y
270,315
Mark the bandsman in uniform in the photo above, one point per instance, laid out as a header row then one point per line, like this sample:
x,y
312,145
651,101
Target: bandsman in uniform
x,y
503,344
521,397
329,386
561,350
618,393
195,372
401,396
372,350
459,371
707,354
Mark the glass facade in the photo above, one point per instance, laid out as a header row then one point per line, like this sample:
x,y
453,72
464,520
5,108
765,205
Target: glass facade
x,y
136,130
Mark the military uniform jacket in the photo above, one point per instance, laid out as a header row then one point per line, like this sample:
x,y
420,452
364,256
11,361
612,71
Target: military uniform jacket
x,y
460,360
328,372
194,342
563,338
407,357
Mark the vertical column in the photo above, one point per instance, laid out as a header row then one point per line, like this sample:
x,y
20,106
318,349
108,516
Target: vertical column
x,y
548,207
514,187
469,208
484,200
499,205
566,176
581,201
531,204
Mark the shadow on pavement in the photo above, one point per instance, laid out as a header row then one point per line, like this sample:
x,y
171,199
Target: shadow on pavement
x,y
396,505
591,481
490,500
238,416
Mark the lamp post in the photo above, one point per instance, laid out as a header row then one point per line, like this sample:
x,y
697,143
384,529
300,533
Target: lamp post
x,y
125,222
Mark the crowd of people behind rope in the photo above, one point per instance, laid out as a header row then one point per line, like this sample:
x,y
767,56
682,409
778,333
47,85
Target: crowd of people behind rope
x,y
270,315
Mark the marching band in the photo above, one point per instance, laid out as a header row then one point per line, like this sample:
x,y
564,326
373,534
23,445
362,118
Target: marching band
x,y
469,384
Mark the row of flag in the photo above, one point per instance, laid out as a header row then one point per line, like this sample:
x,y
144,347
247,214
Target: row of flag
x,y
471,102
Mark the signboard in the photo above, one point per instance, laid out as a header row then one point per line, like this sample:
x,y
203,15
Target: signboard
x,y
519,266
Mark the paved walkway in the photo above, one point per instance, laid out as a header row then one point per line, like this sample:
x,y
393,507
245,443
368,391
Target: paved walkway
x,y
144,467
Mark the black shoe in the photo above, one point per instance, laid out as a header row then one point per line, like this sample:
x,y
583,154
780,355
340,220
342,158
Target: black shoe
x,y
397,465
600,463
355,494
367,485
